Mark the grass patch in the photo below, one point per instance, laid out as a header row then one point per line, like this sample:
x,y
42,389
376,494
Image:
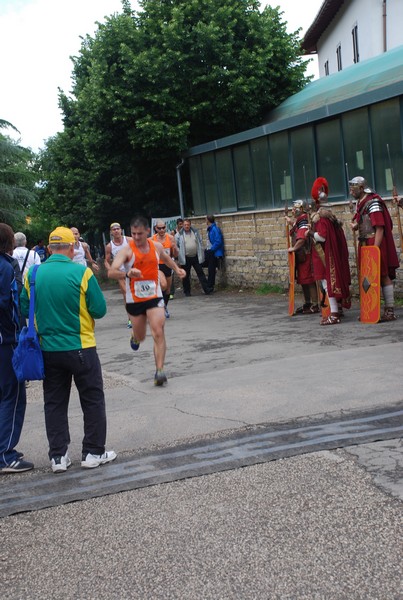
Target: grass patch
x,y
268,288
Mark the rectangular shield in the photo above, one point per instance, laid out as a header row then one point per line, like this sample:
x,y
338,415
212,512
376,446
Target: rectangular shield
x,y
370,284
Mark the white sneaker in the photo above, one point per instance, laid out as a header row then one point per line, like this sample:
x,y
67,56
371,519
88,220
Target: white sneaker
x,y
90,461
60,464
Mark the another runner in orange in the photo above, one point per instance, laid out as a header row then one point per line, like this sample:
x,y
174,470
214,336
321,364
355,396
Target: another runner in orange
x,y
169,245
144,301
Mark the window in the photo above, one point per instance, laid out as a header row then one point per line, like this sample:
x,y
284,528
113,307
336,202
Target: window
x,y
225,177
356,55
210,182
385,118
357,144
327,68
196,176
303,155
261,172
338,56
329,156
280,168
244,177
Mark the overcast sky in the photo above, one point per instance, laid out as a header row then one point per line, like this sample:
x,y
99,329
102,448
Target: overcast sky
x,y
37,37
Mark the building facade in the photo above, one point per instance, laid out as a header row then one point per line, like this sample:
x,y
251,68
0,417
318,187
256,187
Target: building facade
x,y
347,124
346,32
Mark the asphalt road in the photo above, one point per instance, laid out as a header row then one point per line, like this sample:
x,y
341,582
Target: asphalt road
x,y
323,524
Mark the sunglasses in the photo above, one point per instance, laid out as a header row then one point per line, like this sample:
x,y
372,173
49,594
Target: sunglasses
x,y
160,228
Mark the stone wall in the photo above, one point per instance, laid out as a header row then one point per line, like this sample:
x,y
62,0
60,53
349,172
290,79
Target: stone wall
x,y
256,249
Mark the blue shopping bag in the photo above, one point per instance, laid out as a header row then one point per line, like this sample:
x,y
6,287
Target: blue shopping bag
x,y
27,358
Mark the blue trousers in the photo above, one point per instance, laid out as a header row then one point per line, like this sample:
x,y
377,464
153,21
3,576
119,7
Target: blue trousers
x,y
13,402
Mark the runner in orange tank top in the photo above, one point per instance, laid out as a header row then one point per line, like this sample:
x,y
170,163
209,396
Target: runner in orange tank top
x,y
169,245
144,301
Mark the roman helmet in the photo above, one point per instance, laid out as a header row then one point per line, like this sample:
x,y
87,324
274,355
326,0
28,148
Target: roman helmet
x,y
298,207
320,191
359,182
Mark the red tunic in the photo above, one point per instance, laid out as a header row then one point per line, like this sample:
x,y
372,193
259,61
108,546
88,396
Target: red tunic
x,y
303,257
335,268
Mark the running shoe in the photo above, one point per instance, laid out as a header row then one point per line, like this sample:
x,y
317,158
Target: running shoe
x,y
134,344
160,378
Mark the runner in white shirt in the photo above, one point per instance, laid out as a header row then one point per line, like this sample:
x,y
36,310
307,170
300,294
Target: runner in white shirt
x,y
82,254
118,241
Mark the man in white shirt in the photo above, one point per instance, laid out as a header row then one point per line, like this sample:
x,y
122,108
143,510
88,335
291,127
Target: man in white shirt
x,y
26,258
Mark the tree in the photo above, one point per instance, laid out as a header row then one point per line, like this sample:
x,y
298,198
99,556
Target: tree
x,y
149,85
17,179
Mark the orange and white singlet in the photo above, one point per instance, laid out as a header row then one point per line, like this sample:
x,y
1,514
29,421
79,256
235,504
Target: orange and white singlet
x,y
147,287
166,244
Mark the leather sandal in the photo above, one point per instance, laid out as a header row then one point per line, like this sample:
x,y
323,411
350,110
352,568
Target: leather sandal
x,y
332,319
388,315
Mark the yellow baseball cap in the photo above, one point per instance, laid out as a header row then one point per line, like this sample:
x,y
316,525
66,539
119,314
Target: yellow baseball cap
x,y
61,235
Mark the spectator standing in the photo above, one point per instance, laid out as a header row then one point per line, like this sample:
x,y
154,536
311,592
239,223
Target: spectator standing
x,y
191,254
214,251
26,258
12,393
179,225
67,300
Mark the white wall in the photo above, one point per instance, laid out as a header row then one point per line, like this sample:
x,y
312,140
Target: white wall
x,y
367,15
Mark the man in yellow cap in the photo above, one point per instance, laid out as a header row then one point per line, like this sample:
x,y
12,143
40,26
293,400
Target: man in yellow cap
x,y
67,300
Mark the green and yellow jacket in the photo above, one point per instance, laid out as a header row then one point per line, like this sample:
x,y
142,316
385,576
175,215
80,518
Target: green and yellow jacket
x,y
67,300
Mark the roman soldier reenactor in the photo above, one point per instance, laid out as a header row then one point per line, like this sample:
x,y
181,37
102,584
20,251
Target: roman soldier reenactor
x,y
302,247
374,225
329,253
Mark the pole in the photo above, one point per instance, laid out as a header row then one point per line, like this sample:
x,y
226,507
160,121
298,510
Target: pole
x,y
395,199
179,181
354,232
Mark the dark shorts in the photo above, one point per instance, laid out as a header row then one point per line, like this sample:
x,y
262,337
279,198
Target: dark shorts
x,y
166,270
140,308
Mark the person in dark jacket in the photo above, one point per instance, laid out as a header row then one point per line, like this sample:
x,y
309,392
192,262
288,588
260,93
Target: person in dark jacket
x,y
215,250
12,393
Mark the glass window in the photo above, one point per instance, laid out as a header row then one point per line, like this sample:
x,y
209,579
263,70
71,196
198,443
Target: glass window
x,y
280,167
356,54
199,205
338,56
259,150
244,177
210,183
386,140
357,146
303,154
225,176
330,158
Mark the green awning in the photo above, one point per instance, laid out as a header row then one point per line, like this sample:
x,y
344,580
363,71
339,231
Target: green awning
x,y
373,80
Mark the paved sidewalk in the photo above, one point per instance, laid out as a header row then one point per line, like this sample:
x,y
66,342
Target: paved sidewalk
x,y
320,525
